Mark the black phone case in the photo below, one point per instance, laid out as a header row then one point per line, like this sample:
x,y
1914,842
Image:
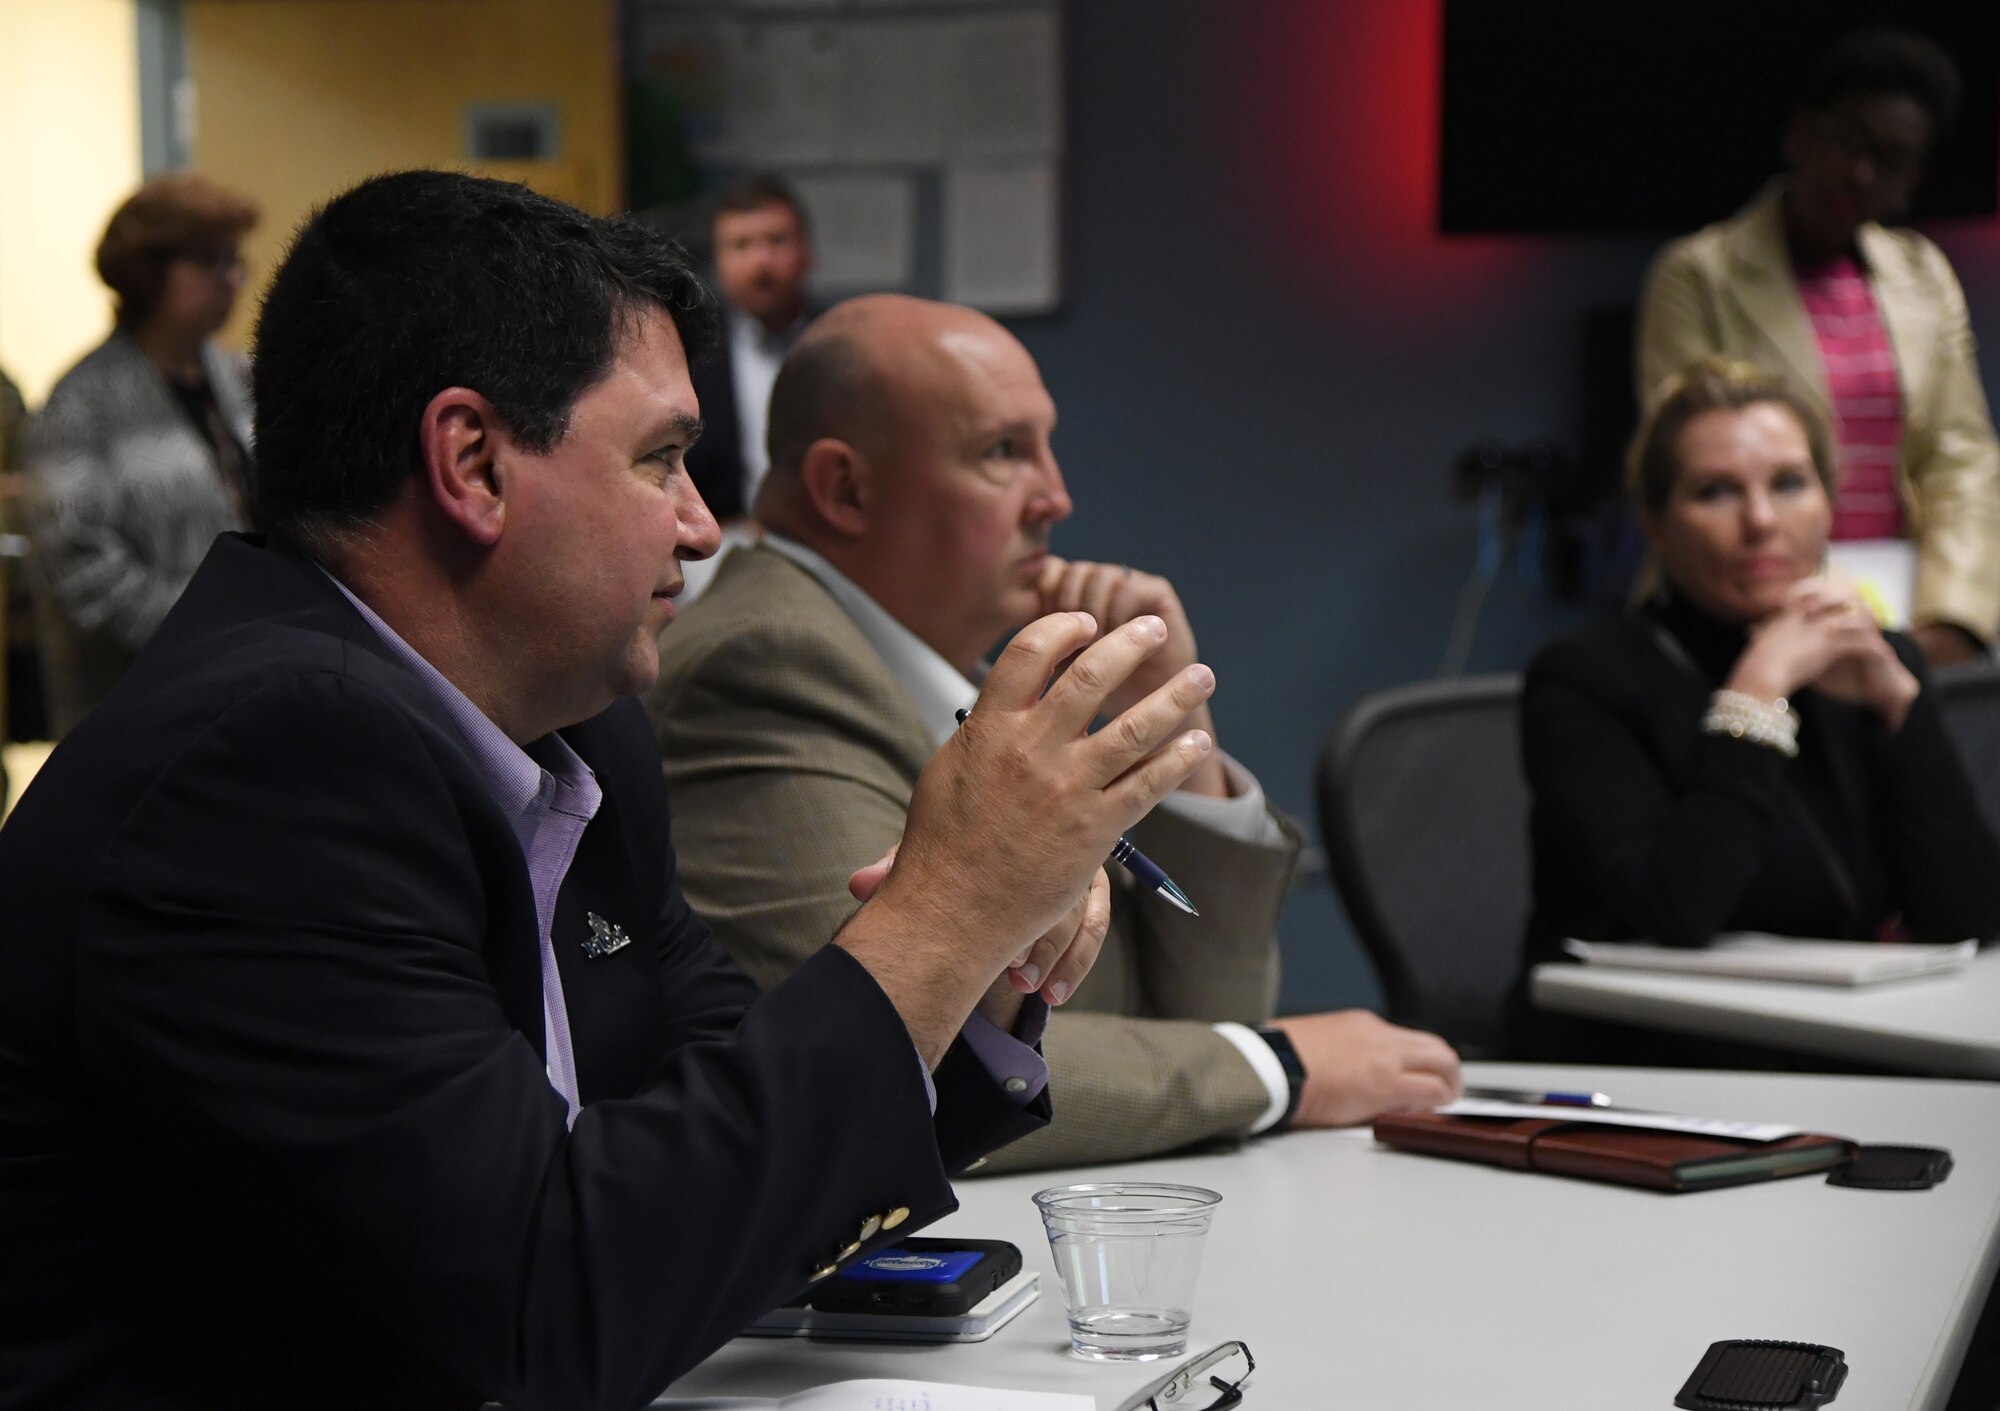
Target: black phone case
x,y
1757,1374
999,1262
1893,1168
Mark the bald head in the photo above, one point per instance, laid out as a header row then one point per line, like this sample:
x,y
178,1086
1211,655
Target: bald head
x,y
910,447
863,373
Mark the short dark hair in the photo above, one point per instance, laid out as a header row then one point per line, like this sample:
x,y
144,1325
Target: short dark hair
x,y
1899,61
1715,383
179,216
421,280
758,190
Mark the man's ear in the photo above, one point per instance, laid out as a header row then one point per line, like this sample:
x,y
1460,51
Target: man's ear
x,y
460,440
839,482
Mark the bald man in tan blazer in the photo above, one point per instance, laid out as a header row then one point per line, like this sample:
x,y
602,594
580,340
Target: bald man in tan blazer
x,y
909,504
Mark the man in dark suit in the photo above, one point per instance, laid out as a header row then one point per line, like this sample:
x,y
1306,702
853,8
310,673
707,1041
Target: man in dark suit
x,y
356,1048
763,253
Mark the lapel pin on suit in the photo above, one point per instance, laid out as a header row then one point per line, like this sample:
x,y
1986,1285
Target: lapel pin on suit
x,y
605,937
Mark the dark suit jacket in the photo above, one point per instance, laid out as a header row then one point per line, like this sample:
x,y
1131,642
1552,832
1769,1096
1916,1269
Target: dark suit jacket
x,y
1646,827
715,462
274,1122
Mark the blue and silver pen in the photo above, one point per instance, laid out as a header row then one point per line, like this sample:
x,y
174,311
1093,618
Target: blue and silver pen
x,y
1139,865
1535,1098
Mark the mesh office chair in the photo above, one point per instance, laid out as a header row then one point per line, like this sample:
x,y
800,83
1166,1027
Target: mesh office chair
x,y
1969,699
1424,811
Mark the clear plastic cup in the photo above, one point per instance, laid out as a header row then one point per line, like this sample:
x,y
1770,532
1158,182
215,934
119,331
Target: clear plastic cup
x,y
1128,1254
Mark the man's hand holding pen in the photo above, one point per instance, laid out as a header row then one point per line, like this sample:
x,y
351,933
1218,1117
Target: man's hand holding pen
x,y
1013,817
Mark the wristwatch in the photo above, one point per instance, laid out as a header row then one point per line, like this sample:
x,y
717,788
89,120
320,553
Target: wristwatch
x,y
1295,1072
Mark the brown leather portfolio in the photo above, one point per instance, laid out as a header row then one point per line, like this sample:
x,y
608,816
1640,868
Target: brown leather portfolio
x,y
1630,1156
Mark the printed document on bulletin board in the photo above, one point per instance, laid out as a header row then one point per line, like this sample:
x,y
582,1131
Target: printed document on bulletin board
x,y
1001,224
785,91
1008,89
926,136
897,100
864,231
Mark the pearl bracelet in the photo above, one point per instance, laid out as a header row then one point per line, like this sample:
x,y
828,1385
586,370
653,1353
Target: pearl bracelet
x,y
1773,724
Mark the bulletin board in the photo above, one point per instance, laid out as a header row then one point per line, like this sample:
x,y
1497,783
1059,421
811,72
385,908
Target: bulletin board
x,y
925,137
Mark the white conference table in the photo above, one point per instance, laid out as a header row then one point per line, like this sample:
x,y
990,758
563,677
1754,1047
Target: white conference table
x,y
1369,1278
1947,1024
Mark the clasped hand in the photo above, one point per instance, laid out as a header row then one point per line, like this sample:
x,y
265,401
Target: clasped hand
x,y
1000,867
1825,637
1114,594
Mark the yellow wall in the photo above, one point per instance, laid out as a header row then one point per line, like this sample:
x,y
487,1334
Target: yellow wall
x,y
69,153
295,99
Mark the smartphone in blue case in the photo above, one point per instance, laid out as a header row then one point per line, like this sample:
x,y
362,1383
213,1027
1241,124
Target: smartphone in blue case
x,y
941,1277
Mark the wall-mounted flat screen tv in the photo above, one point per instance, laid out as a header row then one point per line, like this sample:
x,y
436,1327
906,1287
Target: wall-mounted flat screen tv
x,y
1663,115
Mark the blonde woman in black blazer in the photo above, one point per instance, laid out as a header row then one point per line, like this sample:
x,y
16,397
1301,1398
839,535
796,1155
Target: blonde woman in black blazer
x,y
1747,750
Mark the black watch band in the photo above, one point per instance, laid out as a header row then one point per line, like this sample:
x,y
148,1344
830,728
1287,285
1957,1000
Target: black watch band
x,y
1295,1073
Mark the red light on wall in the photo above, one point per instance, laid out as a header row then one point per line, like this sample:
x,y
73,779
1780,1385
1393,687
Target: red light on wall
x,y
1344,130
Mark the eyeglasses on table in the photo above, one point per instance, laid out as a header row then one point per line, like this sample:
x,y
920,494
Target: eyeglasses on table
x,y
1211,1382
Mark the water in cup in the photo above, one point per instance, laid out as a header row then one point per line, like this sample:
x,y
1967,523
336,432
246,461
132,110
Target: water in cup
x,y
1128,1255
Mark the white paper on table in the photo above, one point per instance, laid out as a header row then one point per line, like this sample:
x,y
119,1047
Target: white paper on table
x,y
863,231
1884,569
1000,237
896,92
1752,955
785,91
1624,1117
884,1394
1006,88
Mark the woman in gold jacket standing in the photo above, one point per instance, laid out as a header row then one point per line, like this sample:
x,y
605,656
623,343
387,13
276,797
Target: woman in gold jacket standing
x,y
1869,321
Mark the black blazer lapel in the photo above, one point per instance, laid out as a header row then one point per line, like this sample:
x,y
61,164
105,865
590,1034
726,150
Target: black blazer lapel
x,y
610,978
715,462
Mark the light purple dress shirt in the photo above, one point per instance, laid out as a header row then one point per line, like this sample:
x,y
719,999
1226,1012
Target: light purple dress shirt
x,y
549,794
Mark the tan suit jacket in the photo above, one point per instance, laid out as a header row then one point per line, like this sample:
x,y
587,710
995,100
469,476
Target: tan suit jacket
x,y
1729,289
791,752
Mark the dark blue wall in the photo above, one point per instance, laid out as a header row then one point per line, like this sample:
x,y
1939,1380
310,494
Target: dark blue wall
x,y
1266,364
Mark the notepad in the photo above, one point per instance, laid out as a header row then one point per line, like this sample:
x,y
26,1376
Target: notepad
x,y
1884,571
1750,955
1568,1143
874,1394
1727,1128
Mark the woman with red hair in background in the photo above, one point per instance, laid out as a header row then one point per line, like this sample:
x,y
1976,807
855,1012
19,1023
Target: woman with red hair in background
x,y
142,454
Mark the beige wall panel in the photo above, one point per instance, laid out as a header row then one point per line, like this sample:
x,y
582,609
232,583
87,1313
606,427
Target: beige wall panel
x,y
69,153
296,99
